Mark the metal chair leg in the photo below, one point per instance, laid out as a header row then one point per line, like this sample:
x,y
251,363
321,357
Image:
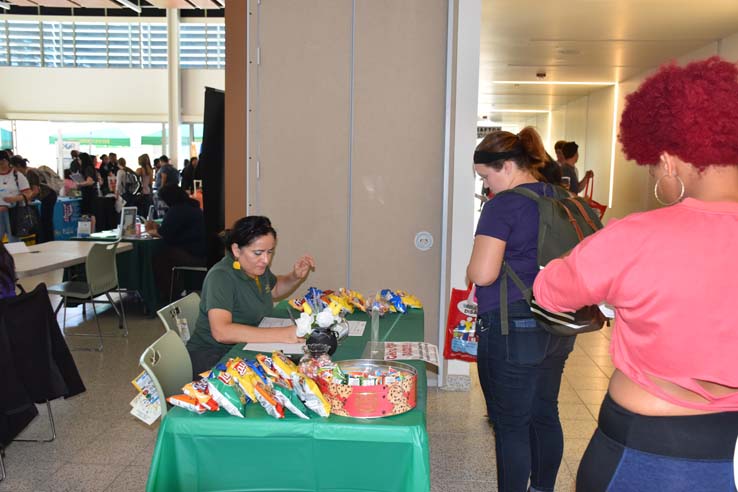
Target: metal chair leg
x,y
97,322
121,314
56,311
51,427
64,321
2,464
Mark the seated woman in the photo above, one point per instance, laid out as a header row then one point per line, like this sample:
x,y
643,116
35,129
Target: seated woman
x,y
183,233
239,291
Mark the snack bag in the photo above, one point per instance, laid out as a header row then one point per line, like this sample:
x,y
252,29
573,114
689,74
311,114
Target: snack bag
x,y
410,300
267,365
266,397
200,391
309,393
283,365
243,376
258,371
223,390
187,402
289,399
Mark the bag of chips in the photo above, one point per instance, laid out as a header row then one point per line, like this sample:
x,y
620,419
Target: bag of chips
x,y
224,391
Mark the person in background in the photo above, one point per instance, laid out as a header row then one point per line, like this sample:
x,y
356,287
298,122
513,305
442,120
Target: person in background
x,y
74,164
520,372
107,174
88,187
169,175
189,174
146,173
669,420
123,179
557,149
183,233
70,185
239,291
14,188
570,151
40,191
157,174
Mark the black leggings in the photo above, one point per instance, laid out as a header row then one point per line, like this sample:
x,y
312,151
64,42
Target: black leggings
x,y
632,452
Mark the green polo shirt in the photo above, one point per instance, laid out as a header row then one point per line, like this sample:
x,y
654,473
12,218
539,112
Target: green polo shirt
x,y
247,299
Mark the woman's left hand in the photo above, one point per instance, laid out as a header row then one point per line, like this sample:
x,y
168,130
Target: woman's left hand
x,y
303,266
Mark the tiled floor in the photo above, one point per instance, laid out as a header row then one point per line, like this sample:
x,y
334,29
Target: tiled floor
x,y
100,447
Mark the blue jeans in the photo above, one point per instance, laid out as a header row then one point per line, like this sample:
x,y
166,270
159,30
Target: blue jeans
x,y
520,374
5,226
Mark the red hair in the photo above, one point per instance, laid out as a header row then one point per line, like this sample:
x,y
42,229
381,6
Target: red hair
x,y
690,112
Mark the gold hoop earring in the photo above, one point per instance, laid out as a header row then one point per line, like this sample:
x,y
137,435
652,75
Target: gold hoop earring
x,y
656,190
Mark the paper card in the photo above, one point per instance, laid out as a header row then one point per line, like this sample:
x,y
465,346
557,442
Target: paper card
x,y
128,221
17,248
268,348
268,322
145,410
356,328
411,351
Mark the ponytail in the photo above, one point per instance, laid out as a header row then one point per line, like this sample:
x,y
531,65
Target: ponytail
x,y
525,149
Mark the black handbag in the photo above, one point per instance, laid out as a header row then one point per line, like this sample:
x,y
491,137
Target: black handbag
x,y
24,220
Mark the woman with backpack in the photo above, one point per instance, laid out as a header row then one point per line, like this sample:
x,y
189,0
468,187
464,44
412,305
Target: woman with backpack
x,y
669,420
519,363
14,188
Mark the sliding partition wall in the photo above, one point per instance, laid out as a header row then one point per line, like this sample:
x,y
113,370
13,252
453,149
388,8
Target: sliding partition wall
x,y
346,136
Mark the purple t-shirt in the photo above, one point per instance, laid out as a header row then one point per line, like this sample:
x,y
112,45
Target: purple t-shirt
x,y
512,218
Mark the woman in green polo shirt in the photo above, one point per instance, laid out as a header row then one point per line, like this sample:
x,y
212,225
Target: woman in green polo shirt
x,y
239,291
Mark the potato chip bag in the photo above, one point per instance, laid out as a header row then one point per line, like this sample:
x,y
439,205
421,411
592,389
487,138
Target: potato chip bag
x,y
187,402
200,390
289,399
283,365
267,365
243,377
309,393
266,397
224,391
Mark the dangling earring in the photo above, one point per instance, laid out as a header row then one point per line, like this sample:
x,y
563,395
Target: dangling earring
x,y
656,190
236,265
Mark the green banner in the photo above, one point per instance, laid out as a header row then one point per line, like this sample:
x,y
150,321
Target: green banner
x,y
97,141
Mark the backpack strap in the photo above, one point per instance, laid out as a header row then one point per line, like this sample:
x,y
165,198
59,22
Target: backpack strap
x,y
522,191
584,213
527,294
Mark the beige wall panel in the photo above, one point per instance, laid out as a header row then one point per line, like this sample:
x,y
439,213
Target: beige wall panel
x,y
400,71
193,83
302,131
599,141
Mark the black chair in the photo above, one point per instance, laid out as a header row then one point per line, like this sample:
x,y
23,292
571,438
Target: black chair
x,y
35,364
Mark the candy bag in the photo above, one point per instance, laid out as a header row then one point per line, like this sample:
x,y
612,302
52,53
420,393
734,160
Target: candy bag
x,y
309,393
223,390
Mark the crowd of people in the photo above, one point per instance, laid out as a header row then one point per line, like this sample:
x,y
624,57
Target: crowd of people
x,y
669,420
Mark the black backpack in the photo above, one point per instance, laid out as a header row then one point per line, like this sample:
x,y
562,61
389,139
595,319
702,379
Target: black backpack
x,y
564,220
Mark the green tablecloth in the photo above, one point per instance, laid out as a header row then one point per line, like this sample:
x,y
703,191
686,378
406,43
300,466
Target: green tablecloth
x,y
218,452
135,269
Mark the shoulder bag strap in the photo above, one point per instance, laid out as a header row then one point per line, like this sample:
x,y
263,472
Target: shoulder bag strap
x,y
527,294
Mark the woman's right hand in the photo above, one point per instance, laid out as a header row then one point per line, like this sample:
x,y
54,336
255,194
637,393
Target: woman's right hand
x,y
289,335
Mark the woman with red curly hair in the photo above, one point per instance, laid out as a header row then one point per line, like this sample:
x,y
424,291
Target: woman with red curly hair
x,y
670,418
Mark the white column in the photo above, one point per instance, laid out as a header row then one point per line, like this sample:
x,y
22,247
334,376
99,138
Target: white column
x,y
466,90
175,100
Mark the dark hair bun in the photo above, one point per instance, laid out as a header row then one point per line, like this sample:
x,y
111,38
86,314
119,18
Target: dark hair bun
x,y
246,230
